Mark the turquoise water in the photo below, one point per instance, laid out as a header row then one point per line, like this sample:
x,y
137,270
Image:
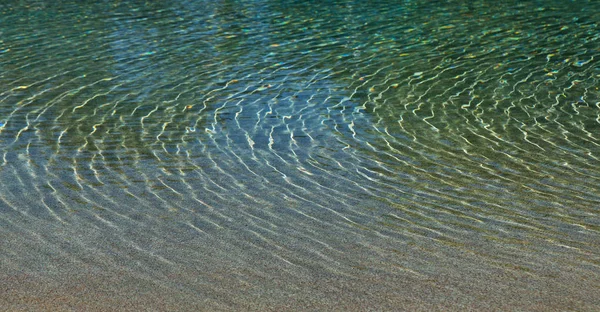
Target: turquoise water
x,y
206,145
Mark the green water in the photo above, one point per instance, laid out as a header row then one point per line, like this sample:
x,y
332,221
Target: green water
x,y
279,143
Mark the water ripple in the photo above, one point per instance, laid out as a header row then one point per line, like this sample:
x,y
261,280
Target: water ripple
x,y
279,137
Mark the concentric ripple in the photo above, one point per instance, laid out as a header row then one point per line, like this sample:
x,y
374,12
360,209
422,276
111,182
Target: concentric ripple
x,y
274,144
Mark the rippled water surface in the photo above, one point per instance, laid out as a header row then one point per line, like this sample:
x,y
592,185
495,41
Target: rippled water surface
x,y
258,154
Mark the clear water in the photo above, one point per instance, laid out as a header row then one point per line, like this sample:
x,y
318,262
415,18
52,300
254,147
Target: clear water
x,y
251,149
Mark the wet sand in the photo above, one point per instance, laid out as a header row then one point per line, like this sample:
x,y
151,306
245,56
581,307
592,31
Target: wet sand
x,y
123,291
45,270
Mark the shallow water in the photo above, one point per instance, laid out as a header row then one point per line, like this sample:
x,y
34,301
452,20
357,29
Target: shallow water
x,y
274,145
